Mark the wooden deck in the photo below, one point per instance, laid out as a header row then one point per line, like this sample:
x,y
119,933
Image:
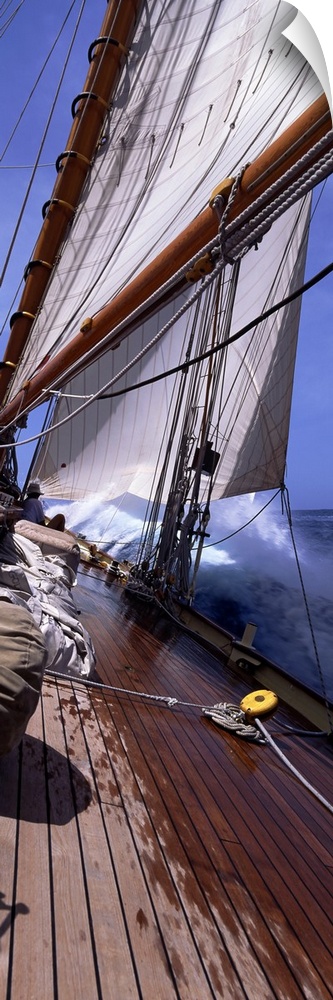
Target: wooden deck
x,y
146,853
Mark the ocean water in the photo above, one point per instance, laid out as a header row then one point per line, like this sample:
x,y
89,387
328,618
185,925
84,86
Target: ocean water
x,y
249,572
291,605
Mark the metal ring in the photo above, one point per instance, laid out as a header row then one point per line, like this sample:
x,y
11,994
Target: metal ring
x,y
71,154
35,263
85,94
57,201
19,315
108,41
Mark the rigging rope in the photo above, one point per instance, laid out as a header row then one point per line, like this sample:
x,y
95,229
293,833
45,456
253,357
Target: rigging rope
x,y
285,498
45,132
291,767
4,27
228,716
232,718
279,205
246,525
313,174
171,371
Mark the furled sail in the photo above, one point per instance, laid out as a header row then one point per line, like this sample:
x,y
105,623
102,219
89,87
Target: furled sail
x,y
207,87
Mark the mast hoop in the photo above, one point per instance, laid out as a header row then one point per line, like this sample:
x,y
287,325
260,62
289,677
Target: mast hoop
x,y
71,154
20,315
36,262
63,204
106,40
88,94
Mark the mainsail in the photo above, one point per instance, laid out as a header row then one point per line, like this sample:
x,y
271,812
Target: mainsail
x,y
207,87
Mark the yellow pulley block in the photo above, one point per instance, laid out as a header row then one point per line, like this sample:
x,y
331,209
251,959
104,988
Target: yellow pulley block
x,y
259,702
222,190
201,267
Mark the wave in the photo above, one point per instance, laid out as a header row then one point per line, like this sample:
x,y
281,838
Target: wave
x,y
247,573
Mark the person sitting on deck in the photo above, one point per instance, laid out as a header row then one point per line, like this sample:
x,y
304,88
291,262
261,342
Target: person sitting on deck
x,y
33,509
23,660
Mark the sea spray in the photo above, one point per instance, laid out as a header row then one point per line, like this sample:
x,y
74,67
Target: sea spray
x,y
259,580
248,573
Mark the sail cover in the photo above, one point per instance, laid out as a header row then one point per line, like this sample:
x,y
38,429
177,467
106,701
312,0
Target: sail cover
x,y
207,87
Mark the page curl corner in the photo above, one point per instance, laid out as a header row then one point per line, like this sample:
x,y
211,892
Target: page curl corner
x,y
314,41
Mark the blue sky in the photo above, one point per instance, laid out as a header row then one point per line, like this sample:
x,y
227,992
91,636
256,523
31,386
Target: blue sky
x,y
309,460
309,468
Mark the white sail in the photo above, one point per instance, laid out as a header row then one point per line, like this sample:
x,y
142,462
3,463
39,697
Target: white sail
x,y
208,86
116,444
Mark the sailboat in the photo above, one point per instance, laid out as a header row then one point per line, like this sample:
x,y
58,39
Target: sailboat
x,y
165,818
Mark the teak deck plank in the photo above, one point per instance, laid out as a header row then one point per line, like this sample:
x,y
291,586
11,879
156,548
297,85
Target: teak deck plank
x,y
321,915
32,935
214,868
151,837
130,843
72,937
155,855
257,935
184,914
12,908
317,915
114,968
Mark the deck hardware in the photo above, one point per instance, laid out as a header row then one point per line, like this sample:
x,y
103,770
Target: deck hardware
x,y
258,703
57,201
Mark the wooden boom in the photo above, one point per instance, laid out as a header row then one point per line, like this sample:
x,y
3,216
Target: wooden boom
x,y
269,166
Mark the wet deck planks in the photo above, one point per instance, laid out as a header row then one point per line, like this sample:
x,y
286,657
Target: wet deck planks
x,y
144,852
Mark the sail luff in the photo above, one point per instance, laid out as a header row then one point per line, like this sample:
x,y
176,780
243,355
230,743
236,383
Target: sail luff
x,y
73,164
268,167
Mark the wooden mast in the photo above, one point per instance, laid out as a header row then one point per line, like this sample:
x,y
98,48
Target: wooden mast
x,y
270,166
107,56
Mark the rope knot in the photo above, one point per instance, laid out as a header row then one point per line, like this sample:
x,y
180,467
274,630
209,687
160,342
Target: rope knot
x,y
232,718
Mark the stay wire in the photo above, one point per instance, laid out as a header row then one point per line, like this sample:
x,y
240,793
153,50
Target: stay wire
x,y
236,532
193,361
286,501
41,145
231,340
3,10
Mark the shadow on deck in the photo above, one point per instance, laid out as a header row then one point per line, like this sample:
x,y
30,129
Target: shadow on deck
x,y
145,853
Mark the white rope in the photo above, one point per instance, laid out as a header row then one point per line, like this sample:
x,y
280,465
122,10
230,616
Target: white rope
x,y
292,768
275,209
315,172
232,717
229,716
268,215
73,679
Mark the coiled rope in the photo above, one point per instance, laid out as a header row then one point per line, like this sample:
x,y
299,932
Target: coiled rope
x,y
229,716
232,718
